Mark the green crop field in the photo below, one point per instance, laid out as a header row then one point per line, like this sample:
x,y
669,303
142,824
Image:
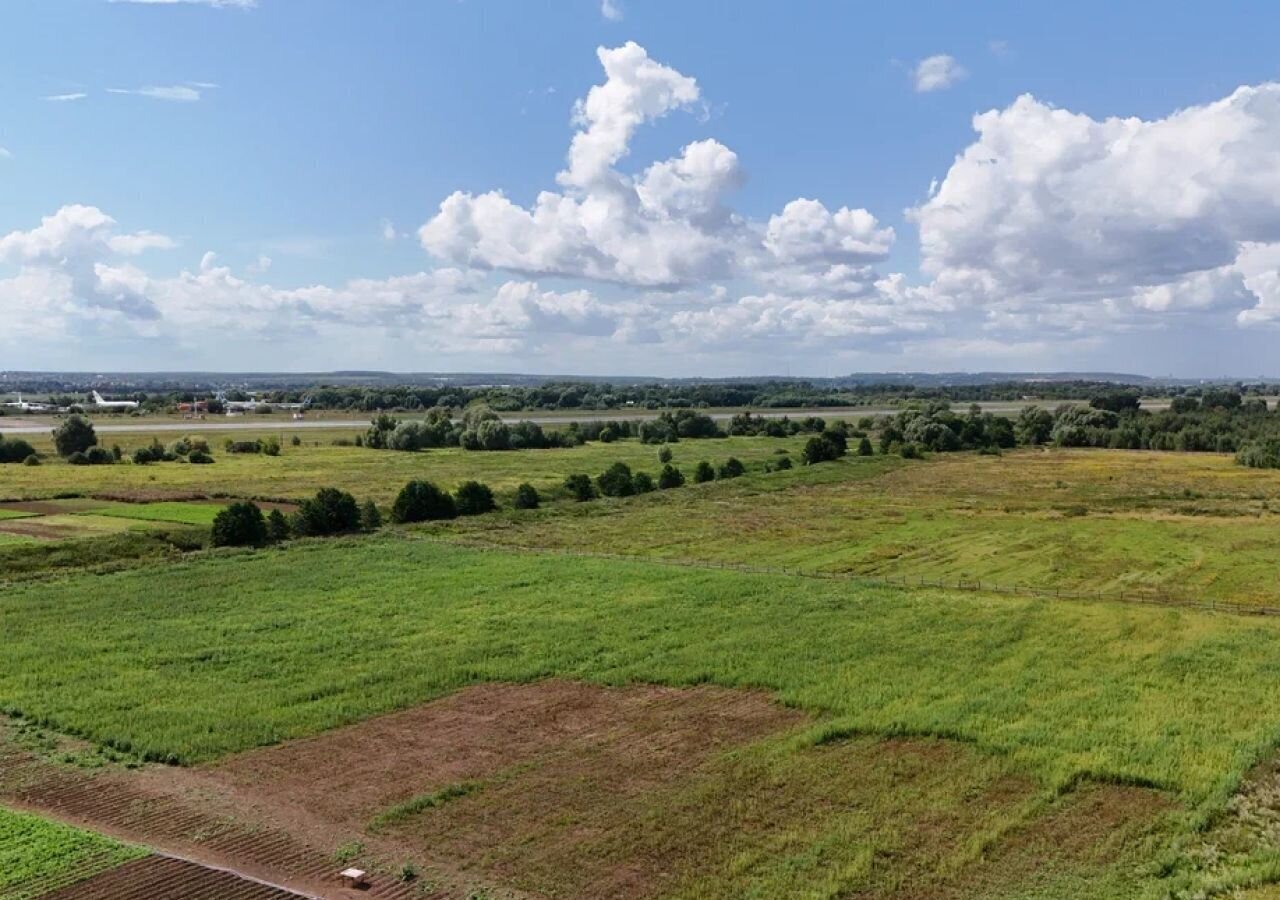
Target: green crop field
x,y
1194,526
247,649
193,658
38,856
377,474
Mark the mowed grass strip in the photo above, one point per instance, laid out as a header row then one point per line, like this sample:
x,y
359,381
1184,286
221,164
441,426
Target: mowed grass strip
x,y
163,511
201,659
38,856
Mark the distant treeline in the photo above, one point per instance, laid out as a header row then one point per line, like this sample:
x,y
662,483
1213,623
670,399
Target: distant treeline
x,y
1215,421
605,396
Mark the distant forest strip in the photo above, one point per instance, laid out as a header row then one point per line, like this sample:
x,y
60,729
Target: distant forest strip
x,y
600,395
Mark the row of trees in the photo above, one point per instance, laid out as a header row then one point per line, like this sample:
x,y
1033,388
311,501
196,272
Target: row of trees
x,y
480,428
331,511
1218,421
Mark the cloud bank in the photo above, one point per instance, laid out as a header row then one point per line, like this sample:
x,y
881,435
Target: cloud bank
x,y
1051,229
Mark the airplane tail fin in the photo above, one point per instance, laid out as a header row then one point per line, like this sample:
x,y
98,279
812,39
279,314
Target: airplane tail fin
x,y
97,398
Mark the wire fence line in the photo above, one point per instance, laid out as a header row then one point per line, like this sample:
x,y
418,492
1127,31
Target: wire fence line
x,y
974,585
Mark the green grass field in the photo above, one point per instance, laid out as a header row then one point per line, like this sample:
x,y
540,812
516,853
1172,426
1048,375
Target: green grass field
x,y
191,659
1194,526
198,660
38,856
376,474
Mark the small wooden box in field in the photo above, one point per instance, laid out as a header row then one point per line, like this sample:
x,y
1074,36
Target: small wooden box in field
x,y
354,878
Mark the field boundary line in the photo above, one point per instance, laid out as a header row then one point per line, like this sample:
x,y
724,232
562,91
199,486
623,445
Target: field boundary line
x,y
976,585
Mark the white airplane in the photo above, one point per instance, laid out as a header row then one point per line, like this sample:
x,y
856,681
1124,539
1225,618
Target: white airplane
x,y
23,406
99,403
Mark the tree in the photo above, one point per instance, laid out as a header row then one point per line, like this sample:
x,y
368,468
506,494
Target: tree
x,y
580,488
865,448
473,498
277,527
616,481
731,468
703,473
422,501
526,497
642,483
370,518
670,477
664,455
1034,425
784,462
330,511
239,525
75,435
820,449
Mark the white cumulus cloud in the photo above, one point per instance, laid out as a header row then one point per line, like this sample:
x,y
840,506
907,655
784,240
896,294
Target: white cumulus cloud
x,y
936,73
1119,218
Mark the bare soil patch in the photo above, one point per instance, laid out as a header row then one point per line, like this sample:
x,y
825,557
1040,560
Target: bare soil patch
x,y
163,878
560,789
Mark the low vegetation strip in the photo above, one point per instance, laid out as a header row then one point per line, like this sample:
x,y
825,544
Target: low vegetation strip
x,y
38,856
899,581
286,643
421,803
1187,526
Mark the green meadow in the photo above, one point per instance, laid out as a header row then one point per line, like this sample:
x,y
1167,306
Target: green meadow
x,y
1190,526
299,471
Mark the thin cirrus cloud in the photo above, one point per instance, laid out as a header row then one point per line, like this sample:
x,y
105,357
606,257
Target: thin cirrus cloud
x,y
175,93
937,73
611,10
65,98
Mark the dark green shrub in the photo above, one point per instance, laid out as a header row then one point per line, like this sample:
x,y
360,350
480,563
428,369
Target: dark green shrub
x,y
199,457
580,488
642,483
330,511
99,456
78,459
670,477
239,525
277,527
422,501
865,448
664,455
731,468
526,497
783,462
370,518
704,473
616,481
473,499
15,450
31,460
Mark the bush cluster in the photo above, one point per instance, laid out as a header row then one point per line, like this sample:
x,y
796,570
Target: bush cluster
x,y
16,450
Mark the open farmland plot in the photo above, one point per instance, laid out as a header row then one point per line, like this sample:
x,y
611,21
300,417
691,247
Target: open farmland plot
x,y
1047,700
38,857
300,471
1193,526
83,518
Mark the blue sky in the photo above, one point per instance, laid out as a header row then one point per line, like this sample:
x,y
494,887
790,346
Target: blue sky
x,y
305,144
